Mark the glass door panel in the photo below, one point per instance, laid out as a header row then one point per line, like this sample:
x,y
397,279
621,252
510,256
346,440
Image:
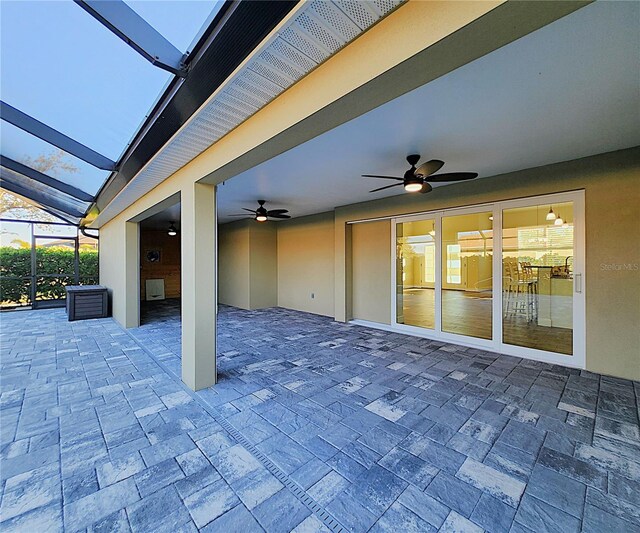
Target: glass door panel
x,y
416,273
467,274
537,288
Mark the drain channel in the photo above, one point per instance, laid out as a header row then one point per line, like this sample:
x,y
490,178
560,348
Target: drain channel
x,y
327,519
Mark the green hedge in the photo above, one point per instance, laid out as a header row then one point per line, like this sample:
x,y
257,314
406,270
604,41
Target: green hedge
x,y
15,272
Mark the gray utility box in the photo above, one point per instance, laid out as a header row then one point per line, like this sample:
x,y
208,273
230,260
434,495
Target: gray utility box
x,y
87,301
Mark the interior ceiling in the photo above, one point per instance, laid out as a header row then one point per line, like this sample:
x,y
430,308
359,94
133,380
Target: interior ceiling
x,y
566,91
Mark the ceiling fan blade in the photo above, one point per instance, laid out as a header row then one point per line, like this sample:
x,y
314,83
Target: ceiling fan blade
x,y
452,176
428,168
426,188
250,210
387,187
277,212
383,177
237,215
277,216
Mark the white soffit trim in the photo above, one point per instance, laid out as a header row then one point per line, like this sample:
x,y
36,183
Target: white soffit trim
x,y
314,32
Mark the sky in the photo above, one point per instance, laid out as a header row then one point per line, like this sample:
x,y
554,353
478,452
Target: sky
x,y
62,67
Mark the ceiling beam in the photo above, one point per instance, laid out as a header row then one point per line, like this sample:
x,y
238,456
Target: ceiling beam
x,y
42,178
124,22
39,198
48,134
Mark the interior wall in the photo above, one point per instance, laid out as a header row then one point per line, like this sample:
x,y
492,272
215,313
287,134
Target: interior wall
x,y
168,268
612,276
263,265
371,271
306,264
233,264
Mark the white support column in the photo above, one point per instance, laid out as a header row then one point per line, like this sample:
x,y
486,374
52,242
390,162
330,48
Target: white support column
x,y
199,290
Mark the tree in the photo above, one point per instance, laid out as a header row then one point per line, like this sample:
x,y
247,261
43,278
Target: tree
x,y
52,164
14,207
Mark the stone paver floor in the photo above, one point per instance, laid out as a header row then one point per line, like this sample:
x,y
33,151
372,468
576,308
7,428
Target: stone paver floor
x,y
314,424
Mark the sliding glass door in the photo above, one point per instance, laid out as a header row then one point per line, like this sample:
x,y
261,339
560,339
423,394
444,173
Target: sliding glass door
x,y
415,273
467,274
538,252
507,277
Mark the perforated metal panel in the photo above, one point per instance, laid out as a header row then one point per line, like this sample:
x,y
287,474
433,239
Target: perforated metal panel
x,y
318,30
274,74
359,12
334,20
304,63
298,38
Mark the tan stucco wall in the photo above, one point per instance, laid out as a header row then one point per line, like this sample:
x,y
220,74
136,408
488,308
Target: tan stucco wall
x,y
371,271
233,264
247,264
349,84
111,247
445,36
263,265
612,196
305,264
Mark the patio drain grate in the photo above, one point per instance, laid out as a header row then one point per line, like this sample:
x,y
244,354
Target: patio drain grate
x,y
327,519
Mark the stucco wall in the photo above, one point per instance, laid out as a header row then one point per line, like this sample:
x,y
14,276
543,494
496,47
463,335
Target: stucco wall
x,y
371,271
247,265
263,265
233,264
612,278
446,36
305,264
348,85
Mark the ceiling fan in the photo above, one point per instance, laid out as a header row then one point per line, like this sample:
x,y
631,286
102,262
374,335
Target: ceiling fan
x,y
261,214
417,179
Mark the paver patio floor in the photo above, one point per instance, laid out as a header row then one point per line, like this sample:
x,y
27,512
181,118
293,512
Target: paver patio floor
x,y
313,424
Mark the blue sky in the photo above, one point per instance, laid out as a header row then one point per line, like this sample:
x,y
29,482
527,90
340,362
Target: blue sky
x,y
64,68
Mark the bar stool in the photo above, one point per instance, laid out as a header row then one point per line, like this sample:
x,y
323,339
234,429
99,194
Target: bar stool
x,y
531,278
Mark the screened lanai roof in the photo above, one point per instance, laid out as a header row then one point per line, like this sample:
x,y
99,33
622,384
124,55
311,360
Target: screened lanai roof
x,y
75,94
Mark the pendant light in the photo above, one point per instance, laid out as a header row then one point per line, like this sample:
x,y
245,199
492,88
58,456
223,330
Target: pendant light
x,y
172,230
558,221
551,215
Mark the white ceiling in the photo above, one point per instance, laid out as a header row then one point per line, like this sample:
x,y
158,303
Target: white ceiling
x,y
568,90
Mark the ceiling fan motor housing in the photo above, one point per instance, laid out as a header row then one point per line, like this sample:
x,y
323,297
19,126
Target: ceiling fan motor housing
x,y
410,177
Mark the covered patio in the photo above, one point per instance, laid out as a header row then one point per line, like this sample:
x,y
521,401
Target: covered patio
x,y
364,266
314,425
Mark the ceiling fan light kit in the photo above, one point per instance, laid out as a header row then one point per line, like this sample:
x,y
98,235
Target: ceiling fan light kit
x,y
172,231
413,186
262,214
417,179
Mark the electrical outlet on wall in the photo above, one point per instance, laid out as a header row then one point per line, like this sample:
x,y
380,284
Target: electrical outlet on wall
x,y
313,295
